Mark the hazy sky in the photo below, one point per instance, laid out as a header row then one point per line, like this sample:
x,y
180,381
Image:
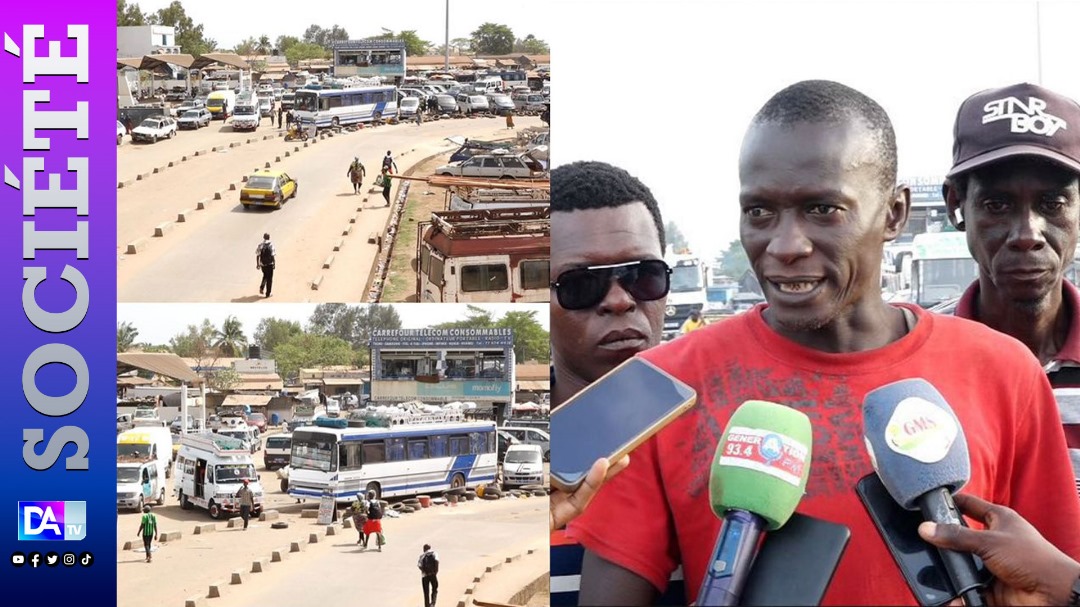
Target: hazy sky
x,y
230,22
159,322
669,92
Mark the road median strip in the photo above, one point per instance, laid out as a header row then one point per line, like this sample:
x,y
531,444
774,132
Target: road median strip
x,y
204,529
182,216
163,228
329,262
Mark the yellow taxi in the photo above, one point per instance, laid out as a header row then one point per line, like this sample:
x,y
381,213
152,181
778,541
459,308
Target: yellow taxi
x,y
267,188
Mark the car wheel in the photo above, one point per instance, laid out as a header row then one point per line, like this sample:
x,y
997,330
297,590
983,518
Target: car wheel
x,y
140,506
161,498
215,510
153,139
284,485
296,190
506,177
119,139
247,207
185,503
335,123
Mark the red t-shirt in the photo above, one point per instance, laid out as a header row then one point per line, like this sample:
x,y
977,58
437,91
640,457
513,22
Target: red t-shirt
x,y
656,513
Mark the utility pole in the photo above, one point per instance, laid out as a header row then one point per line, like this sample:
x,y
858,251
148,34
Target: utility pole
x,y
446,47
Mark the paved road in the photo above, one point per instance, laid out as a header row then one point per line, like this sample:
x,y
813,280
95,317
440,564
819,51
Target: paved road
x,y
467,537
211,257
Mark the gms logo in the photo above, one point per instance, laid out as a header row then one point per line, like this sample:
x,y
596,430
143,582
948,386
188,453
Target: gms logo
x,y
1024,118
52,521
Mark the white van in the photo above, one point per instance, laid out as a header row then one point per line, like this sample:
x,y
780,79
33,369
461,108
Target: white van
x,y
278,450
523,465
148,441
138,482
531,436
210,469
245,433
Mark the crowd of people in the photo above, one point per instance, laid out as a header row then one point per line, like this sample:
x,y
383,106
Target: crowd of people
x,y
819,199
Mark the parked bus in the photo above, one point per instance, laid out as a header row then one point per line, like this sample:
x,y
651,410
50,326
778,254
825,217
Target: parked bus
x,y
490,255
337,107
401,459
941,267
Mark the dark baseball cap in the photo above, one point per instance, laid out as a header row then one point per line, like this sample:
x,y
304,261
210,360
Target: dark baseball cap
x,y
1018,120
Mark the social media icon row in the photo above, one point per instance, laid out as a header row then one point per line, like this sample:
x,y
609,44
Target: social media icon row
x,y
51,559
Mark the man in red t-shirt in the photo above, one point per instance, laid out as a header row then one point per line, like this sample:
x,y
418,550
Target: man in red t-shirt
x,y
819,201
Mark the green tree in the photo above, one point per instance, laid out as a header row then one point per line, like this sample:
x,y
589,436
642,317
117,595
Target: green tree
x,y
303,51
197,343
414,46
306,350
264,45
674,237
475,318
224,380
531,45
492,39
274,331
284,43
325,37
145,347
230,339
531,341
125,336
129,14
735,261
189,36
353,324
247,46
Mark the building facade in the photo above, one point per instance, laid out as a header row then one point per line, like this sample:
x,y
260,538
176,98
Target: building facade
x,y
370,58
139,40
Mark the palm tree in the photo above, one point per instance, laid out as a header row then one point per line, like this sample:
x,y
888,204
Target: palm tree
x,y
125,336
230,339
264,45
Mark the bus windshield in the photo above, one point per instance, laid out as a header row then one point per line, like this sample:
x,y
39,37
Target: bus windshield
x,y
312,451
685,279
308,102
943,279
234,473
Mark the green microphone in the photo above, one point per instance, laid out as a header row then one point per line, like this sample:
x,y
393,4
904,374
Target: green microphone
x,y
758,477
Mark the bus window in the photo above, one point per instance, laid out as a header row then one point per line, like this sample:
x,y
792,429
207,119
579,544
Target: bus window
x,y
395,449
459,445
535,274
333,102
478,443
349,456
374,452
438,446
491,447
425,260
418,449
436,273
324,103
311,453
486,277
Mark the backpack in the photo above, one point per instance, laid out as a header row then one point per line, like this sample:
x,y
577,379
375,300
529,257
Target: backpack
x,y
387,162
429,564
266,254
375,510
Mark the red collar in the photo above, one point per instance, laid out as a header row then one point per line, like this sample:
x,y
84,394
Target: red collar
x,y
1070,351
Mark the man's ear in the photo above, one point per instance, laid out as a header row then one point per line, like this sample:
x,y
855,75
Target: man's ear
x,y
953,205
896,215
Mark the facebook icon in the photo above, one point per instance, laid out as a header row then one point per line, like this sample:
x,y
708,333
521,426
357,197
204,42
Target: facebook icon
x,y
52,521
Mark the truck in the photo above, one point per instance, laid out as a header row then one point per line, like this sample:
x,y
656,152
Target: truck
x,y
689,291
221,104
489,255
941,267
210,469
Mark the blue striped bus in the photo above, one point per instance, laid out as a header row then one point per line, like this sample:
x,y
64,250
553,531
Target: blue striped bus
x,y
339,107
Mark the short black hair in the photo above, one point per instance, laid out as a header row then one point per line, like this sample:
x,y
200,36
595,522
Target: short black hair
x,y
589,184
427,547
832,102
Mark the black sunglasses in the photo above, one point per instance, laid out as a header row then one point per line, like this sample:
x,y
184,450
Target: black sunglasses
x,y
582,288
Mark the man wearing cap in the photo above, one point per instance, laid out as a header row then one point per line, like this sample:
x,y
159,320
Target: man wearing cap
x,y
247,502
1014,188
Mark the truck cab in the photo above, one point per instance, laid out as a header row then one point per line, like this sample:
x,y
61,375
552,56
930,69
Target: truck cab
x,y
689,291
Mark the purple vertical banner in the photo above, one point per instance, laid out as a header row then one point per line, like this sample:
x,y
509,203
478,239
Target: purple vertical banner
x,y
58,302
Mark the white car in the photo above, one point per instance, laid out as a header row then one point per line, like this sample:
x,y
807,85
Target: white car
x,y
471,104
154,128
539,145
408,107
499,166
121,130
194,119
500,103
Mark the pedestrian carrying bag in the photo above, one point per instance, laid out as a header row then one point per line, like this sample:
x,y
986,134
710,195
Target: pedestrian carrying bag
x,y
266,256
429,565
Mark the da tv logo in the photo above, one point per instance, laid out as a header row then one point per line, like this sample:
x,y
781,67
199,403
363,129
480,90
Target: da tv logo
x,y
52,521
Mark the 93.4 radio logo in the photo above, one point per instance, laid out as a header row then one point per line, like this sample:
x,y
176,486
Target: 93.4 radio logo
x,y
52,521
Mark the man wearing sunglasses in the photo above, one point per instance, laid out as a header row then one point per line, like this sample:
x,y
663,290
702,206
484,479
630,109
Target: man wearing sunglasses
x,y
607,304
818,201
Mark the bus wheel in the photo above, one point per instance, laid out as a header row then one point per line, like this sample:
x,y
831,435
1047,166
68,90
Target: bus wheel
x,y
161,498
140,506
335,123
378,117
214,510
457,482
185,503
376,488
284,485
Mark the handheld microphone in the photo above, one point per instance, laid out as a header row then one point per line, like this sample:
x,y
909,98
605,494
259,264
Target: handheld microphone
x,y
758,476
919,451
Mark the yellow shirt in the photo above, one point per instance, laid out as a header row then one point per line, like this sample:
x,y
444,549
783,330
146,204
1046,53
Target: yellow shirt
x,y
691,325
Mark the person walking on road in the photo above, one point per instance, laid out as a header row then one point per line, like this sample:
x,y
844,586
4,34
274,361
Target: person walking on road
x,y
147,529
247,502
373,526
279,112
510,119
265,260
359,517
271,115
388,163
385,181
419,117
356,174
429,570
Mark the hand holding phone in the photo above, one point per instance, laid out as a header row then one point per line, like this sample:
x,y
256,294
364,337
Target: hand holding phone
x,y
565,507
611,417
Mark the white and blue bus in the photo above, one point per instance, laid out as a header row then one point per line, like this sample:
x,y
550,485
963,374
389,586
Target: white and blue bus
x,y
338,107
400,460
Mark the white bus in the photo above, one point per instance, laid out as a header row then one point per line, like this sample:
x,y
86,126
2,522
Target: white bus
x,y
337,107
402,459
941,267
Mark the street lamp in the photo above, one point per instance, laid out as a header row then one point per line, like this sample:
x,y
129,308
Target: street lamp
x,y
446,46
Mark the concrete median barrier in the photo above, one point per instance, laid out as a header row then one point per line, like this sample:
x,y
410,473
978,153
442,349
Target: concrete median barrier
x,y
340,243
315,284
182,216
204,529
309,513
162,229
195,601
269,515
260,565
313,538
169,536
202,205
215,589
135,246
238,577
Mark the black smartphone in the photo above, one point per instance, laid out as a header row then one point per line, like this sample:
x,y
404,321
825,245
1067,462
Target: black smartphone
x,y
919,562
796,563
611,417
